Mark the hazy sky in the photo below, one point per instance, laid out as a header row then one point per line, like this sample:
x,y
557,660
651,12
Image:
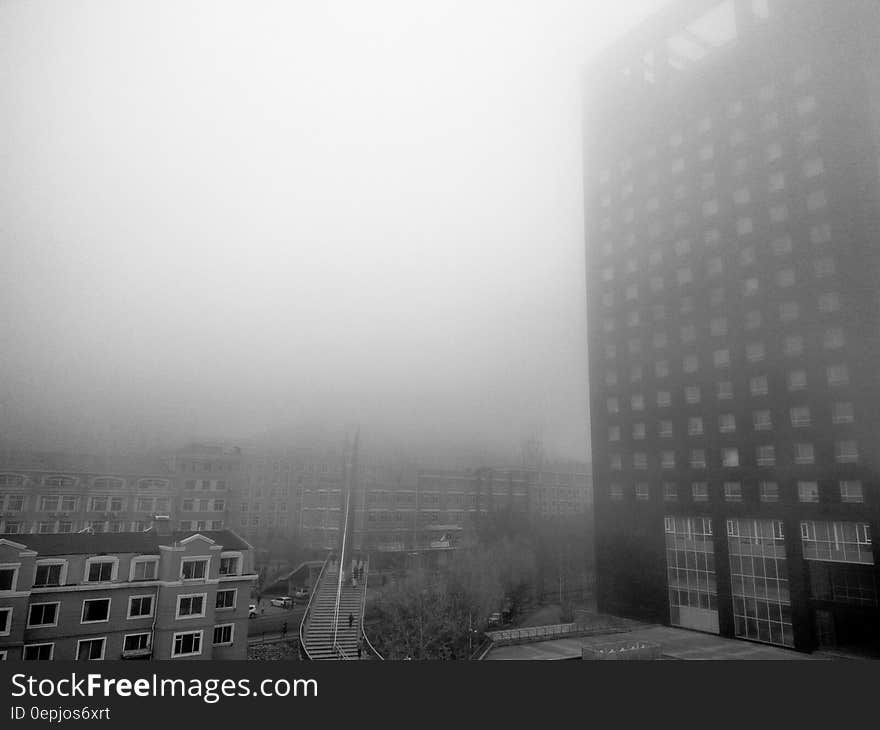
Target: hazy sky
x,y
217,217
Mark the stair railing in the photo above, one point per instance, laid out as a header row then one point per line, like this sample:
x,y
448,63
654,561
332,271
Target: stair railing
x,y
307,615
348,477
367,642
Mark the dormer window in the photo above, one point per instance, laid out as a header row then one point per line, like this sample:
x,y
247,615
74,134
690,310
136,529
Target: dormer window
x,y
230,564
50,573
101,570
194,568
59,481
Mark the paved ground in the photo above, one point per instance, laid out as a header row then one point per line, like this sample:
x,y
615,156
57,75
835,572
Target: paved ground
x,y
269,624
675,644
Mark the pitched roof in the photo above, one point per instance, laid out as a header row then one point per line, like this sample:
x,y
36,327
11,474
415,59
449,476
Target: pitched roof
x,y
142,543
83,543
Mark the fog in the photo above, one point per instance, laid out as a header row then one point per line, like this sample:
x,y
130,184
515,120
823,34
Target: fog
x,y
220,218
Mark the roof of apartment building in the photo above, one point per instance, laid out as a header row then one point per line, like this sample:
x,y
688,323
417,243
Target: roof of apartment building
x,y
63,462
144,543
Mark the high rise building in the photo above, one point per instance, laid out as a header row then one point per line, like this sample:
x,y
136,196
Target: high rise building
x,y
733,234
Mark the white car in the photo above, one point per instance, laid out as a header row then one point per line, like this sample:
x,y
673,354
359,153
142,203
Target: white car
x,y
301,593
282,602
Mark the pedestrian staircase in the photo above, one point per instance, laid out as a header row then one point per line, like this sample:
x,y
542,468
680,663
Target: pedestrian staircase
x,y
325,631
320,642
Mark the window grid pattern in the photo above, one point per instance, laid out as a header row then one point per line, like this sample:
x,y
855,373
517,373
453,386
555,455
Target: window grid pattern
x,y
690,565
759,581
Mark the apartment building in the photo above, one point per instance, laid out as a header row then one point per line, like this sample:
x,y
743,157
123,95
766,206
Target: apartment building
x,y
65,493
138,595
733,203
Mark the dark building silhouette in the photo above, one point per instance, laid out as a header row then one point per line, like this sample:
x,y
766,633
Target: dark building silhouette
x,y
733,232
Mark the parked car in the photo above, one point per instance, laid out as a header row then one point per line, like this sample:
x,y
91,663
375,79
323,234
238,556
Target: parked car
x,y
252,610
301,593
283,602
495,619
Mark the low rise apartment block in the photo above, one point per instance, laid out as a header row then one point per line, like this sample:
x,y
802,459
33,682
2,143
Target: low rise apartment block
x,y
139,595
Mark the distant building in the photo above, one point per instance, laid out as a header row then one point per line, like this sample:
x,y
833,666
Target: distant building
x,y
49,493
400,509
733,210
208,477
139,595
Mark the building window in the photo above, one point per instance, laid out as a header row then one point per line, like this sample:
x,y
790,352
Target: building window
x,y
664,429
846,452
700,491
226,598
759,582
642,492
839,542
733,492
140,606
615,463
793,345
808,492
824,267
613,435
726,423
725,390
664,398
762,420
229,565
194,568
692,394
42,614
698,459
779,213
842,412
637,402
804,454
42,652
797,380
766,455
101,571
661,369
144,569
690,564
5,621
667,460
721,358
223,635
838,376
695,426
718,327
800,416
187,643
640,460
670,492
90,649
833,339
730,457
638,431
769,492
789,311
851,492
191,606
616,493
50,573
95,610
613,405
829,302
135,643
